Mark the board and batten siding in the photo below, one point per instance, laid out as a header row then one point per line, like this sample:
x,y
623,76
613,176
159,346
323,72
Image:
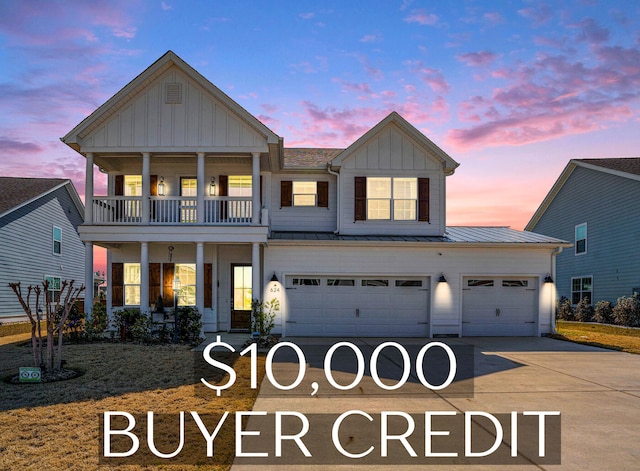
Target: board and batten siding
x,y
419,261
26,248
198,121
609,205
302,218
391,153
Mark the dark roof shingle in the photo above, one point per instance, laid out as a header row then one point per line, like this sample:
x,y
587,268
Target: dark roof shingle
x,y
15,191
300,157
625,164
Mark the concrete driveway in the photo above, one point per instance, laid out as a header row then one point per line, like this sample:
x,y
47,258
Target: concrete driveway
x,y
596,391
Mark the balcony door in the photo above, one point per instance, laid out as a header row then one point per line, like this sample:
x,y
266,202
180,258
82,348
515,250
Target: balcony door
x,y
241,297
189,194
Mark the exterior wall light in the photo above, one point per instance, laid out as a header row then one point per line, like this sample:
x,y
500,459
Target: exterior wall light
x,y
442,279
161,187
212,187
548,279
274,277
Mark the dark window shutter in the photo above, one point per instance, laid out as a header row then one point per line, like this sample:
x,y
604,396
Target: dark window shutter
x,y
208,285
223,187
118,189
154,282
117,284
153,190
286,193
323,194
360,199
167,281
423,199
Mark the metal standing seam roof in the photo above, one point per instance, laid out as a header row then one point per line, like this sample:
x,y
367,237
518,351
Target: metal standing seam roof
x,y
454,234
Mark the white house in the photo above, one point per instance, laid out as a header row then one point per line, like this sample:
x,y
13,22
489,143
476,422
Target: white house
x,y
39,240
352,241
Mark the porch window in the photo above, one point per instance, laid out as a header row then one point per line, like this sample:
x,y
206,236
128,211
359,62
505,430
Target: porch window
x,y
304,193
57,240
240,186
187,274
581,288
54,288
133,185
132,284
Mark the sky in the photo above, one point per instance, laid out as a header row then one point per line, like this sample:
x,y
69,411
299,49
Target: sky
x,y
512,90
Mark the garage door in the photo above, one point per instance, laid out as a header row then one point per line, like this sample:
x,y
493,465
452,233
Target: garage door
x,y
499,306
356,306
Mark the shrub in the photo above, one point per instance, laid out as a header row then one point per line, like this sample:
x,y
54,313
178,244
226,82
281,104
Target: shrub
x,y
263,316
627,311
98,323
124,320
603,312
74,324
141,329
189,325
564,311
584,311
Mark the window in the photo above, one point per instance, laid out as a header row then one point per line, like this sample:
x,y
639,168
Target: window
x,y
132,284
305,193
240,185
515,283
57,240
133,185
306,282
242,292
392,198
186,272
409,283
189,191
485,283
341,282
54,288
581,288
375,282
581,238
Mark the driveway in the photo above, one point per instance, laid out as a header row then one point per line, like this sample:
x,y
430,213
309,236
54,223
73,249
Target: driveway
x,y
596,391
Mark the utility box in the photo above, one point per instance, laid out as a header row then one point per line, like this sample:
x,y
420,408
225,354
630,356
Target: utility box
x,y
30,374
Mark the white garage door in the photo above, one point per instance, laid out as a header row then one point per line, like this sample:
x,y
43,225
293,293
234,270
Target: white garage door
x,y
353,306
499,306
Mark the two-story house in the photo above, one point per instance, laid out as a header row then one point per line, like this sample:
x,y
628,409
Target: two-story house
x,y
39,219
594,204
352,241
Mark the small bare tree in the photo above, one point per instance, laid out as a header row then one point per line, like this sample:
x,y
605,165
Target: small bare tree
x,y
55,323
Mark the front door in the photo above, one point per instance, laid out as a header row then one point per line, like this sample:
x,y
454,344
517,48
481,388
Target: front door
x,y
241,297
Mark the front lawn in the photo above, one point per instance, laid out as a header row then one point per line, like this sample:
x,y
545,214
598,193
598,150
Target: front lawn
x,y
598,335
56,425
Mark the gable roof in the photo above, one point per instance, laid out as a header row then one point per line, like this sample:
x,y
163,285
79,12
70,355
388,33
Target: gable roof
x,y
308,157
17,192
449,164
120,99
625,167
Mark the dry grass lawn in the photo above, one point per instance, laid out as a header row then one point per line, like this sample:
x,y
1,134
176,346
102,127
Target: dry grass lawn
x,y
55,426
606,336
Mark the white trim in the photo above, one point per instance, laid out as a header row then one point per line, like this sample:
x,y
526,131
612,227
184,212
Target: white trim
x,y
571,288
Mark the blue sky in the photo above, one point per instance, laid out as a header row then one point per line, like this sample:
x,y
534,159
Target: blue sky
x,y
510,89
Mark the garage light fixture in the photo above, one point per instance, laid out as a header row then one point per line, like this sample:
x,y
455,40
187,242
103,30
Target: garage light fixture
x,y
274,277
548,279
442,279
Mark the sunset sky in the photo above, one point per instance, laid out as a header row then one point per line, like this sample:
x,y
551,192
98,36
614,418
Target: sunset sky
x,y
510,89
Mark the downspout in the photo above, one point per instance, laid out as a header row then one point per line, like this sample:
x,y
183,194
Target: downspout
x,y
337,197
557,251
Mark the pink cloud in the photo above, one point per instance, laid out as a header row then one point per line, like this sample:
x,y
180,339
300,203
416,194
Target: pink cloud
x,y
432,77
475,59
10,146
590,32
422,18
539,14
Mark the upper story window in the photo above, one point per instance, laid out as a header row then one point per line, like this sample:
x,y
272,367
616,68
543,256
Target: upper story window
x,y
133,185
304,193
581,238
391,199
57,240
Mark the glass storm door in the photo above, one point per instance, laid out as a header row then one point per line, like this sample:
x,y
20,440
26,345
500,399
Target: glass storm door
x,y
241,297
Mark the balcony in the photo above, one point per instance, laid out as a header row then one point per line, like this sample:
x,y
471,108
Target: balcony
x,y
172,210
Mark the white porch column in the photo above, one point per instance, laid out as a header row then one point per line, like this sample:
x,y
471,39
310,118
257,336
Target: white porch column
x,y
88,191
256,286
200,282
255,189
144,277
88,279
146,186
201,189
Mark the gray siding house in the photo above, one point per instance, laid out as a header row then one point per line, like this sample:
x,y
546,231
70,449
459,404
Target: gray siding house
x,y
39,240
594,203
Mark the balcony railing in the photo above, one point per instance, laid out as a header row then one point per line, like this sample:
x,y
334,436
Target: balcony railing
x,y
172,210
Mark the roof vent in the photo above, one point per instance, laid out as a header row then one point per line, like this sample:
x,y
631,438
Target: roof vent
x,y
173,93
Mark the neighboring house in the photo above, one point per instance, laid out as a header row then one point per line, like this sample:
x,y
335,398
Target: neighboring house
x,y
39,240
352,241
594,203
